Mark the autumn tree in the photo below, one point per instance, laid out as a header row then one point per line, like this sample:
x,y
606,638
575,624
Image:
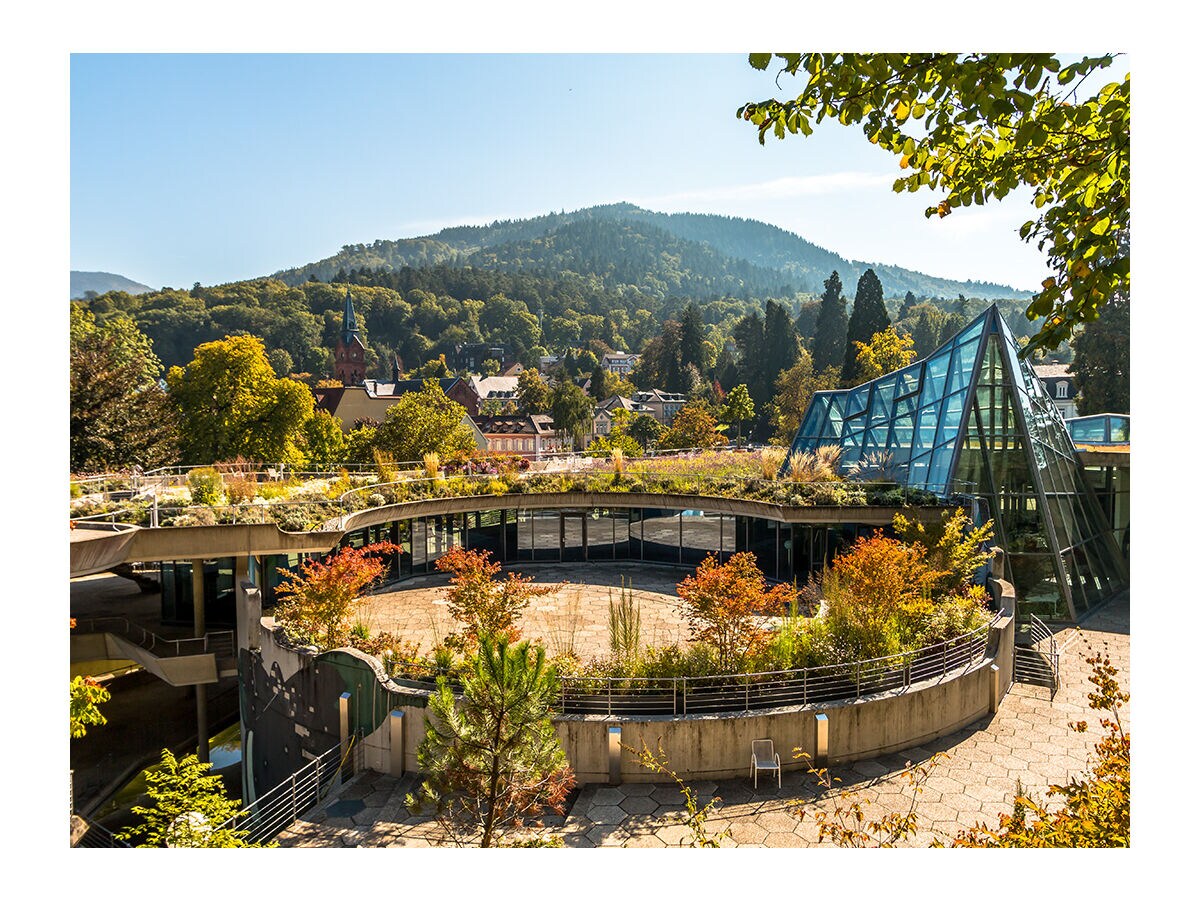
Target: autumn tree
x,y
977,126
723,606
317,603
868,317
189,808
120,417
794,389
492,760
646,430
486,606
955,548
694,426
424,421
232,404
886,352
533,396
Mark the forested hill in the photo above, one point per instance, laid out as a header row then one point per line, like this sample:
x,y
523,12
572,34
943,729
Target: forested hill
x,y
689,254
103,282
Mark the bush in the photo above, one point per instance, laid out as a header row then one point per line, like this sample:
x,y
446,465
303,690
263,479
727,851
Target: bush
x,y
205,485
241,489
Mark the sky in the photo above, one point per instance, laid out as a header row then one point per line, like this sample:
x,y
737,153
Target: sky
x,y
218,167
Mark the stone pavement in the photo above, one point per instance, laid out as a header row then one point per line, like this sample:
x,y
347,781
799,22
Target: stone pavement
x,y
573,618
1027,741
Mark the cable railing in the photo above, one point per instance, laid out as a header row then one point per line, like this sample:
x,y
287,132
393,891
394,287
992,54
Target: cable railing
x,y
281,806
219,643
697,695
97,836
691,695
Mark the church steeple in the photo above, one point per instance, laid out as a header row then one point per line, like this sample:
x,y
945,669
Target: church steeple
x,y
349,356
349,323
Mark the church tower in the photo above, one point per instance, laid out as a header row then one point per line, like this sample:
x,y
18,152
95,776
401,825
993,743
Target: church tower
x,y
350,354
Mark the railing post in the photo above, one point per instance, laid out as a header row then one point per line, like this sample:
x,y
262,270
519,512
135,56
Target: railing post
x,y
747,677
685,695
858,678
295,815
945,652
674,696
610,692
806,686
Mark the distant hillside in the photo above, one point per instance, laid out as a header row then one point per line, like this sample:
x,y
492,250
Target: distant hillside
x,y
677,254
103,282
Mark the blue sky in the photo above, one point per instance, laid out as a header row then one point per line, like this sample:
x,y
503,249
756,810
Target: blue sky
x,y
214,167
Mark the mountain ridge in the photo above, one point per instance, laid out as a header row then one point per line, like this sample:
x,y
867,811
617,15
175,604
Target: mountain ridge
x,y
777,258
102,283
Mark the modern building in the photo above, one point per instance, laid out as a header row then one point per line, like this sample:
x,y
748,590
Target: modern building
x,y
974,420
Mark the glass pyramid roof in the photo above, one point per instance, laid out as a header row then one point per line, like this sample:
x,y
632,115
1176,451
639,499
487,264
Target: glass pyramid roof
x,y
972,419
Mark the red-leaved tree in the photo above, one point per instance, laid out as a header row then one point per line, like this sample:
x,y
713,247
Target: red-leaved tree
x,y
318,600
485,605
723,605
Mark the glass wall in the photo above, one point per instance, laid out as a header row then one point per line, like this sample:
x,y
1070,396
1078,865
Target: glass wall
x,y
219,598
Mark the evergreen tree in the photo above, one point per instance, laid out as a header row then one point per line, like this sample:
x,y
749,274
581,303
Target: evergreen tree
x,y
906,307
492,760
868,318
925,334
779,344
951,325
1101,364
829,339
691,338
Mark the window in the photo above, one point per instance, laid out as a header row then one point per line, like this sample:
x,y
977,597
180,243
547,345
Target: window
x,y
1061,390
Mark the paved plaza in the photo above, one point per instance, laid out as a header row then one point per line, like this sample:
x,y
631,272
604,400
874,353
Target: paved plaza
x,y
1027,741
572,619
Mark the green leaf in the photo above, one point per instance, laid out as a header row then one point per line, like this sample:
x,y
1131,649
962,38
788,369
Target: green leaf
x,y
760,60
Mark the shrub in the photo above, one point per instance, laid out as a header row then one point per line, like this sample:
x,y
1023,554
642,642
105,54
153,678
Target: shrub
x,y
723,605
205,486
240,488
485,606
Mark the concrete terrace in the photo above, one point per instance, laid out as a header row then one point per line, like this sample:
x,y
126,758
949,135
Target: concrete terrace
x,y
1027,740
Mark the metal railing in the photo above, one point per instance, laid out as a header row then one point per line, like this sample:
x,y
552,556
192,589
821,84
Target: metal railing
x,y
97,836
764,690
1037,662
218,643
281,806
695,695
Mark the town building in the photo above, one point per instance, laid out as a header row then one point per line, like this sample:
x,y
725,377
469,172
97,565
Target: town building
x,y
531,436
350,353
1060,387
661,404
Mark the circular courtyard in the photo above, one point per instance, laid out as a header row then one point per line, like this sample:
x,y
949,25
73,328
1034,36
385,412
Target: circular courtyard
x,y
571,619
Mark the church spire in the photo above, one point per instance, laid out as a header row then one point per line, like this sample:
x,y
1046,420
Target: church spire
x,y
349,323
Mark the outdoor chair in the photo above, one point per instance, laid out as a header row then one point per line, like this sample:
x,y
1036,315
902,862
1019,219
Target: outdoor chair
x,y
764,758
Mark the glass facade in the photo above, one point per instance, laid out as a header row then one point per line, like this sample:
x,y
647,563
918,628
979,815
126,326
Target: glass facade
x,y
677,537
974,420
1101,429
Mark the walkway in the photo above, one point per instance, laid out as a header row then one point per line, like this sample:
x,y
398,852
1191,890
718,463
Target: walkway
x,y
1027,741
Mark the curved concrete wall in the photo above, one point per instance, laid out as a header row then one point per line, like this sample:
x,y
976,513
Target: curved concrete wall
x,y
718,746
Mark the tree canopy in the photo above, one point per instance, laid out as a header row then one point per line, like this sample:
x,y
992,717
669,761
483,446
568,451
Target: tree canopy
x,y
119,415
232,404
979,125
424,421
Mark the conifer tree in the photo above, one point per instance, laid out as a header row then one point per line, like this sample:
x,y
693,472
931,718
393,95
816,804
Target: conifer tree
x,y
829,340
691,338
868,318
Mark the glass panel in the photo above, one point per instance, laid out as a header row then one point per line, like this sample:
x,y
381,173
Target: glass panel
x,y
1119,429
600,535
701,536
547,535
660,535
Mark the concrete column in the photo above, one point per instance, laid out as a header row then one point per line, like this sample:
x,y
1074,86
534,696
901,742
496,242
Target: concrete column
x,y
396,742
614,754
994,678
198,630
344,721
821,744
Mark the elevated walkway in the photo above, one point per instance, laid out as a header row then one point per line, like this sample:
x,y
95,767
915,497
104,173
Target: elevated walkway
x,y
181,662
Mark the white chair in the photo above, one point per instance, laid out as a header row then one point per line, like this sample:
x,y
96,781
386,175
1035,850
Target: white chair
x,y
764,758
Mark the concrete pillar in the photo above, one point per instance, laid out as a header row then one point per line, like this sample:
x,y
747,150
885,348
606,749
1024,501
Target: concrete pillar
x,y
821,744
198,631
344,721
614,754
396,742
994,679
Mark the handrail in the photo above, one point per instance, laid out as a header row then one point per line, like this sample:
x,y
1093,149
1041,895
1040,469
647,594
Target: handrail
x,y
683,695
219,643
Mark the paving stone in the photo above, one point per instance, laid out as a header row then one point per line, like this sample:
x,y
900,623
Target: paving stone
x,y
606,835
870,768
606,815
747,832
675,835
608,796
639,805
645,840
637,789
